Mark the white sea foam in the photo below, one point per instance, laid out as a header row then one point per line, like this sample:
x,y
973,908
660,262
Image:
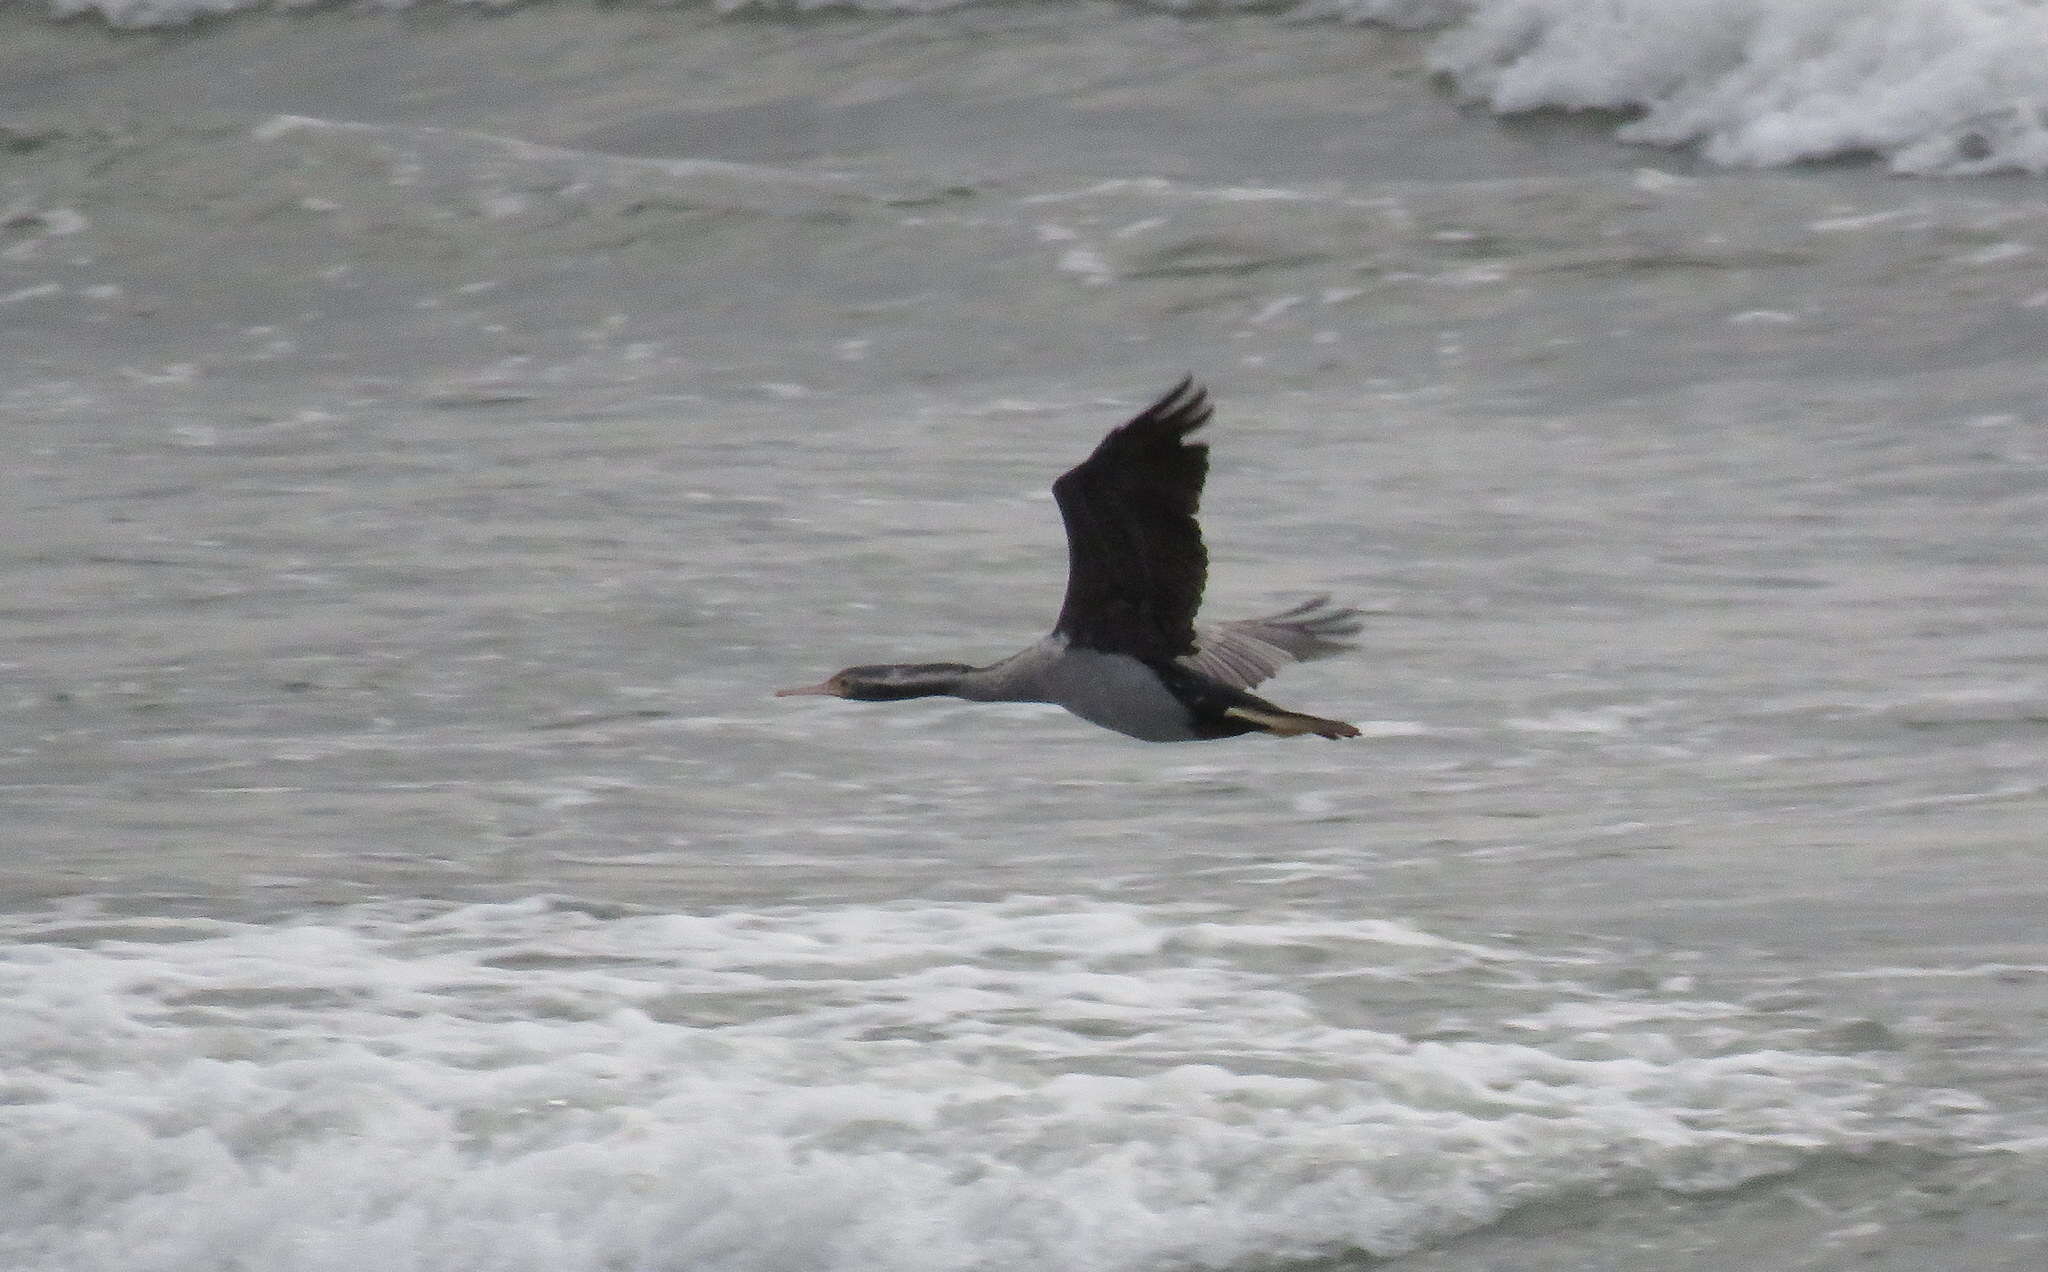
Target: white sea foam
x,y
1032,1084
1933,86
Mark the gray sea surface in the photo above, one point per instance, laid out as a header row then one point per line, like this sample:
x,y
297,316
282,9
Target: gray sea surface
x,y
431,437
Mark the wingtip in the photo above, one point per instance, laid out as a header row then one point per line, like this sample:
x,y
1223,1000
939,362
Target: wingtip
x,y
1183,408
1324,619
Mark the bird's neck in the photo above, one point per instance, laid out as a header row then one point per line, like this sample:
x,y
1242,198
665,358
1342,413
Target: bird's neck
x,y
1018,678
923,680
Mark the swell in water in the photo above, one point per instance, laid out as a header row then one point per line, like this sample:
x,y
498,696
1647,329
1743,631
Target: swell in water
x,y
1930,87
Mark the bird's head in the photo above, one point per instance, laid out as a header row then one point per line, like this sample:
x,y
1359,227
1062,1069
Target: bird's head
x,y
887,682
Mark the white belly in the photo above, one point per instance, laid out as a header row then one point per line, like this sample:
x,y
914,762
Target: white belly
x,y
1116,692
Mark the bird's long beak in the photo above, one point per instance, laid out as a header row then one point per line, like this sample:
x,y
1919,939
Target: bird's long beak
x,y
825,689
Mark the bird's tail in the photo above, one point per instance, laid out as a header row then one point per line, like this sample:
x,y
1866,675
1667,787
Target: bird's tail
x,y
1291,724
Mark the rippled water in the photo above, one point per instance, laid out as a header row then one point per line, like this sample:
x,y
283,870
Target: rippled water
x,y
432,446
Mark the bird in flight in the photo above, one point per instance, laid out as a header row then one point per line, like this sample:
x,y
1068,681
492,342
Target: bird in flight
x,y
1126,652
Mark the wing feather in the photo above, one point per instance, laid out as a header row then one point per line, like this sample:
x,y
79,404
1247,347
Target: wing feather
x,y
1136,564
1247,651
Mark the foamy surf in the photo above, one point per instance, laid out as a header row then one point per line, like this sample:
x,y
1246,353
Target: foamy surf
x,y
1932,87
1029,1084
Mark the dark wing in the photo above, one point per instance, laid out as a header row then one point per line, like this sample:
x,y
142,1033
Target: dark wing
x,y
1135,560
1247,651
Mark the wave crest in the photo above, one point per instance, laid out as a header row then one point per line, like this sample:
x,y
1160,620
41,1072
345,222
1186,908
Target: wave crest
x,y
1933,87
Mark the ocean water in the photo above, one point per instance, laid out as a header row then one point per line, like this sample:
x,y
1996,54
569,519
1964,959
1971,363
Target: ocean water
x,y
432,434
